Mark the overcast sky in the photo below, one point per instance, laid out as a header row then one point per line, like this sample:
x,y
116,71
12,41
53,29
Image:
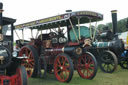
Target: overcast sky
x,y
29,10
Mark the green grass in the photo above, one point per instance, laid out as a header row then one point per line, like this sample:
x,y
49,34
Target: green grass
x,y
119,77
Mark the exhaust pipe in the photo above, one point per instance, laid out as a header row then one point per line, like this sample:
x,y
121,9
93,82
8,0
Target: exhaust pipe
x,y
114,21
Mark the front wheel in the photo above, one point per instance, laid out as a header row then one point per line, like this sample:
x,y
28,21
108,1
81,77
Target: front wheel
x,y
21,76
63,68
124,64
87,66
108,62
30,61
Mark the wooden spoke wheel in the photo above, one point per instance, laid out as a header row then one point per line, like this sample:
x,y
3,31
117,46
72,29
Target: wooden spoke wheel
x,y
87,66
21,76
124,64
30,60
108,62
63,68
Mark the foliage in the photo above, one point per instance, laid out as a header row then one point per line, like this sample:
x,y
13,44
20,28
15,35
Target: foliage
x,y
121,24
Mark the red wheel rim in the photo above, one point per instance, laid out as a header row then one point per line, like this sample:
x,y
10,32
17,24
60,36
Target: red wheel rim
x,y
61,68
29,61
19,77
85,66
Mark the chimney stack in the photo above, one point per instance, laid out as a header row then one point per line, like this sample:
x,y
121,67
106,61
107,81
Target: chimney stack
x,y
114,21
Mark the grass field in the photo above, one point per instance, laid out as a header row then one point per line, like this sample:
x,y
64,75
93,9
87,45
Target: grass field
x,y
119,77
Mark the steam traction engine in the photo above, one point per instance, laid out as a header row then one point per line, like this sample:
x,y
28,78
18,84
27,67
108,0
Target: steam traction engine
x,y
54,51
11,72
110,49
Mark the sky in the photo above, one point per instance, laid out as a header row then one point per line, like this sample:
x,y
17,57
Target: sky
x,y
29,10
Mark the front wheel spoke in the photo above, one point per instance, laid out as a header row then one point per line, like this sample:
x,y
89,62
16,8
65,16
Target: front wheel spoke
x,y
30,65
62,75
83,59
89,71
66,73
26,51
92,62
89,60
107,67
91,67
104,65
59,70
84,71
66,67
112,65
30,54
67,70
30,60
59,62
64,62
58,65
81,65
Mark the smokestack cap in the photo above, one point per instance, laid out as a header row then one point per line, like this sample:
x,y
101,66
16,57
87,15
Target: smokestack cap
x,y
68,10
114,11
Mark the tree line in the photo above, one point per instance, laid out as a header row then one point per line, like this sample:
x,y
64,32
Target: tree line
x,y
122,26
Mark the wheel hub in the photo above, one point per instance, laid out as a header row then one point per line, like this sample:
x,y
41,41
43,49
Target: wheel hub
x,y
86,65
61,67
27,61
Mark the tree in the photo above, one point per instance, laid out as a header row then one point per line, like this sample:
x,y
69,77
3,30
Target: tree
x,y
122,25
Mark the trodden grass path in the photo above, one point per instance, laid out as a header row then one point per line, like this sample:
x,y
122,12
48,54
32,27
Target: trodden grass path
x,y
119,77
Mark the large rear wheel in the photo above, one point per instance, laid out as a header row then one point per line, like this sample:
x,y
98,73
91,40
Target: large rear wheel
x,y
63,68
108,62
87,66
30,60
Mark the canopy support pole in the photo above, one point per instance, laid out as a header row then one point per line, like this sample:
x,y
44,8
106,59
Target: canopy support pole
x,y
41,34
32,33
23,35
37,33
94,32
17,34
90,28
79,27
74,30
